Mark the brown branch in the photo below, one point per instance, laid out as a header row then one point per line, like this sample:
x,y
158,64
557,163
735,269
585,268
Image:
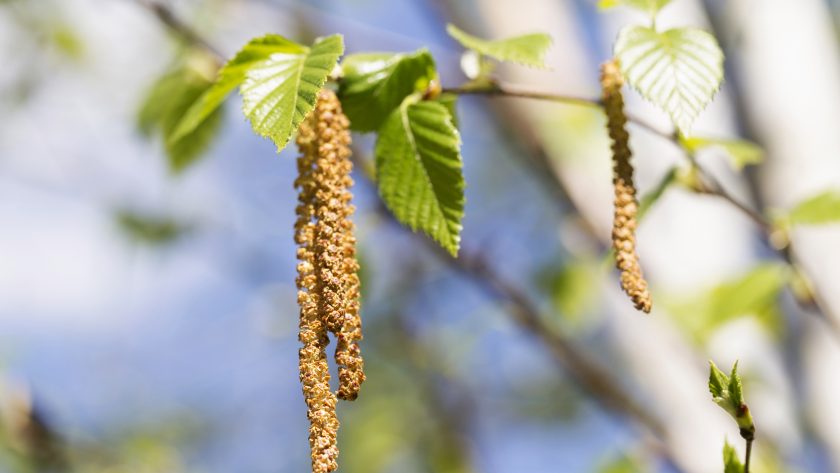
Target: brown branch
x,y
180,29
709,184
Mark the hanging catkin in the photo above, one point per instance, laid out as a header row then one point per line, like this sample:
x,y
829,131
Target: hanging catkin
x,y
335,242
328,285
626,206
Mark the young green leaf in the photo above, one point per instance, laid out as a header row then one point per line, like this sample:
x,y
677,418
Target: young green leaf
x,y
731,462
528,49
679,70
741,152
165,105
727,392
280,87
374,84
648,6
754,294
232,75
820,209
418,168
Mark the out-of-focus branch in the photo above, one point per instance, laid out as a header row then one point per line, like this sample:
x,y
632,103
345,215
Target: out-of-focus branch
x,y
583,369
707,184
180,29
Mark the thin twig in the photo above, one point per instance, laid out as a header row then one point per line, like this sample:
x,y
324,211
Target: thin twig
x,y
748,455
174,24
709,186
590,375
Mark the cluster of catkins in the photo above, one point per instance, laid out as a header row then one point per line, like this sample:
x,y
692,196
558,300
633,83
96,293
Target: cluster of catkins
x,y
328,282
626,205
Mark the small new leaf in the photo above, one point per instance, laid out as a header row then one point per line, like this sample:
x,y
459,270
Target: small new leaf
x,y
651,7
741,153
374,84
731,462
528,50
280,88
679,70
418,169
727,392
821,209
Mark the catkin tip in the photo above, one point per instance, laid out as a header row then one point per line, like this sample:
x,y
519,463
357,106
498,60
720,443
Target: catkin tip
x,y
626,206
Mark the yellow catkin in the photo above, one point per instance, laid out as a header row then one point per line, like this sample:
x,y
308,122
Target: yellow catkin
x,y
626,205
328,284
335,241
314,369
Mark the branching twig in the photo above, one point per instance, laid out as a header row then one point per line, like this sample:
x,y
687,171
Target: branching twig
x,y
709,184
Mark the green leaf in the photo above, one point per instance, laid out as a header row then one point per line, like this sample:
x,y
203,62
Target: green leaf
x,y
450,101
820,209
280,89
741,152
754,294
679,70
527,49
149,229
573,288
167,102
418,168
648,200
731,462
736,389
648,6
374,84
231,76
718,382
621,464
727,392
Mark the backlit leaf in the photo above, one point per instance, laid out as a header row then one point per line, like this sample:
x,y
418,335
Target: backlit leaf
x,y
527,49
679,70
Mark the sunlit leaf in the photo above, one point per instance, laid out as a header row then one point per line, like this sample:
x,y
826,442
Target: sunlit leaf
x,y
820,209
280,90
647,6
741,152
573,288
527,49
754,294
418,168
621,464
374,84
679,70
231,75
727,392
731,462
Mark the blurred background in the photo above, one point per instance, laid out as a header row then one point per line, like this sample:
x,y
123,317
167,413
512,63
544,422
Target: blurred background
x,y
148,316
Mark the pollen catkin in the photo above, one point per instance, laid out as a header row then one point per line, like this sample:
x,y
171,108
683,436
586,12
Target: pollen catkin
x,y
328,284
335,242
626,206
314,369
